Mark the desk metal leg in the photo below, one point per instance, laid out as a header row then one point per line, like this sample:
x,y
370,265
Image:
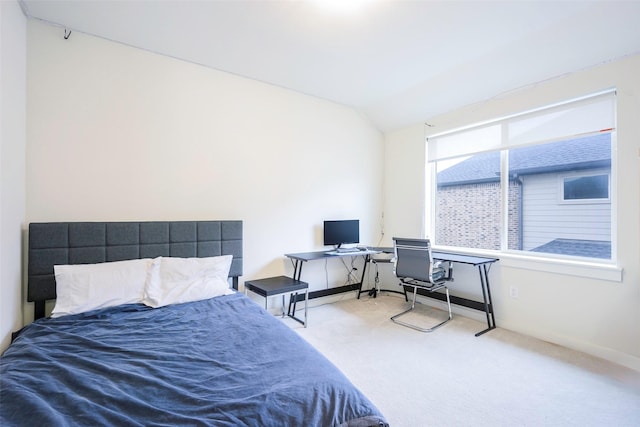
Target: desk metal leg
x,y
373,292
297,269
293,300
486,297
364,271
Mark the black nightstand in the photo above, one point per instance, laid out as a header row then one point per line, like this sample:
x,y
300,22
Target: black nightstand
x,y
281,285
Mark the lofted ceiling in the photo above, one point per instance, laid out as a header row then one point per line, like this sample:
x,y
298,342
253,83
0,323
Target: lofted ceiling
x,y
399,62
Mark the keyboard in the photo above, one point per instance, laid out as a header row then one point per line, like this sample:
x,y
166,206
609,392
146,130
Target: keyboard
x,y
347,250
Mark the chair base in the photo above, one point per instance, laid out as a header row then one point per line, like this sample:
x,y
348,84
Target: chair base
x,y
413,305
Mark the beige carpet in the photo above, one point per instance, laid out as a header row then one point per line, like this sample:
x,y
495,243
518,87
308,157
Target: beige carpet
x,y
451,378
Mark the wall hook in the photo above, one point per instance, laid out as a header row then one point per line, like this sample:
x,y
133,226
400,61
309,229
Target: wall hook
x,y
67,33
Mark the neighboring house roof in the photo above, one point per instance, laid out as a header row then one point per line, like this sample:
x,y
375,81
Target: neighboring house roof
x,y
579,153
484,167
586,248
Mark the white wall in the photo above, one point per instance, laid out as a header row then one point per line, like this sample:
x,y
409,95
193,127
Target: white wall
x,y
116,133
13,51
404,184
594,315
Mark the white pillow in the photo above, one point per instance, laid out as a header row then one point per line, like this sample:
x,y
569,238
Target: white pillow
x,y
178,280
84,287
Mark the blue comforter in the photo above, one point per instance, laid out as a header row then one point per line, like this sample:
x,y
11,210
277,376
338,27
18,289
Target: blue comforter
x,y
223,362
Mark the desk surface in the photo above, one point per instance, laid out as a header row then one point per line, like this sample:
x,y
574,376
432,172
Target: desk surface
x,y
462,258
310,256
483,263
440,255
450,256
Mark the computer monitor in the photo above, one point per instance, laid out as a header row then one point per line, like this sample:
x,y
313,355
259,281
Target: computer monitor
x,y
337,233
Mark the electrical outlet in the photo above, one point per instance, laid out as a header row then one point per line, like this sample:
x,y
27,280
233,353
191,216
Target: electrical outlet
x,y
513,292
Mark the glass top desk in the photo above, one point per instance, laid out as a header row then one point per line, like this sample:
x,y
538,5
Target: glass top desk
x,y
482,263
300,258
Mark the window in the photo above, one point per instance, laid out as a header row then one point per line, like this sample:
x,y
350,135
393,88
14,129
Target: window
x,y
588,188
538,182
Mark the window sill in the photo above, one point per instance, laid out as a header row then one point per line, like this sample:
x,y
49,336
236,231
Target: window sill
x,y
593,270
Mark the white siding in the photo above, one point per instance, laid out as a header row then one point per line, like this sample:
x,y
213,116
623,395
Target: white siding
x,y
546,217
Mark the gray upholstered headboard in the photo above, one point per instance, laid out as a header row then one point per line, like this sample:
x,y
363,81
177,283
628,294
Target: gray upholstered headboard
x,y
58,243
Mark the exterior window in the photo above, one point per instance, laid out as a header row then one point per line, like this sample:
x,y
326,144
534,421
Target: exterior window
x,y
543,198
546,218
589,188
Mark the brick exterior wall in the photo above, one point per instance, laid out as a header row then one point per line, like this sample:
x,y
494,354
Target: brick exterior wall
x,y
469,216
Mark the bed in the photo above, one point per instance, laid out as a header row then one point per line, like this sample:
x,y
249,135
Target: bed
x,y
221,361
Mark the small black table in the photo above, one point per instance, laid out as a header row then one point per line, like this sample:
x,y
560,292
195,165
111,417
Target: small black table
x,y
281,285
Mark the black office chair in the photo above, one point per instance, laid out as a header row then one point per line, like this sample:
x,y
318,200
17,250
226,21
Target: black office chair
x,y
414,267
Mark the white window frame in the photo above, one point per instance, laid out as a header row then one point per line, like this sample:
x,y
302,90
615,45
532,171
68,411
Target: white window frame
x,y
592,268
563,200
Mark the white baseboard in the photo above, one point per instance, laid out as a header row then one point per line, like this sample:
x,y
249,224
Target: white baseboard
x,y
611,355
